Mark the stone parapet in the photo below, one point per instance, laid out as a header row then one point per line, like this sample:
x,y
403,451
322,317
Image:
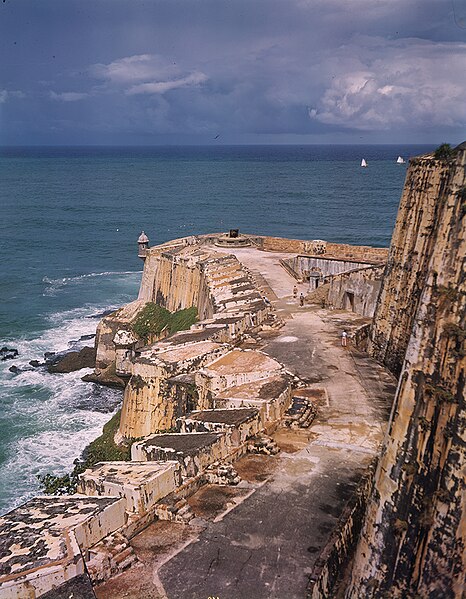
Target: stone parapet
x,y
270,395
240,423
235,368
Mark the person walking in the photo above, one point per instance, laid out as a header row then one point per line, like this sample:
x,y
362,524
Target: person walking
x,y
295,292
301,300
344,339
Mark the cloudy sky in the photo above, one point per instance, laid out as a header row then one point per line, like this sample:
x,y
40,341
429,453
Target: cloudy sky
x,y
232,71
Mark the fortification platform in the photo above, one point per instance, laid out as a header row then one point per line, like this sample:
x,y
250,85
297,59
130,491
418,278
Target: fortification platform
x,y
141,484
241,423
194,451
41,541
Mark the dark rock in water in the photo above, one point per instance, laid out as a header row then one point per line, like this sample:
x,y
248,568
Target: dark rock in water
x,y
36,363
87,337
7,353
14,369
101,314
106,377
79,341
100,399
49,354
73,360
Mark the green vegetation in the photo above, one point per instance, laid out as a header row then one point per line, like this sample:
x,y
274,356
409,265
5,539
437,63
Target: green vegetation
x,y
444,152
102,449
153,319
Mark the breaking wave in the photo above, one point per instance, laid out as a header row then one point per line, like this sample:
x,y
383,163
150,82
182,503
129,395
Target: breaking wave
x,y
46,420
55,285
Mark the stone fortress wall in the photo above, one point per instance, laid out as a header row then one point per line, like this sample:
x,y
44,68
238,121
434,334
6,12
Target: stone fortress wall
x,y
413,543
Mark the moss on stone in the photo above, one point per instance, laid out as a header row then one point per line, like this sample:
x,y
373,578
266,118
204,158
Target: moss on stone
x,y
153,319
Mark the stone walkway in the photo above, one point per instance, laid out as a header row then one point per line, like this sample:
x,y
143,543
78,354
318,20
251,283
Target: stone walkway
x,y
266,547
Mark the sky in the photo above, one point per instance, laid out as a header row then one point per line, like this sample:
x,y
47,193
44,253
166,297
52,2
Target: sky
x,y
149,72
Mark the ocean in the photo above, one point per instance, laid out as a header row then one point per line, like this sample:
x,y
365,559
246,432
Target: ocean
x,y
70,221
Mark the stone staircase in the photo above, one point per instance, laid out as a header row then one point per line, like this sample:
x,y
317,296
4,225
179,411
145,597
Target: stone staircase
x,y
301,413
262,444
110,557
262,285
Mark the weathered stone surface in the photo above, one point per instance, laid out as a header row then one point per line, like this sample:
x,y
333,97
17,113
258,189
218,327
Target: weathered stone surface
x,y
79,587
431,194
73,360
270,395
356,291
241,423
194,451
41,541
108,327
141,484
236,368
149,404
414,538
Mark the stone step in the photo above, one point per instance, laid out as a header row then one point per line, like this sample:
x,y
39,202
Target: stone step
x,y
263,445
110,557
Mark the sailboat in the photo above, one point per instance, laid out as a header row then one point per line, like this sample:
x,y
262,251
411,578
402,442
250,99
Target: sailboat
x,y
363,162
400,160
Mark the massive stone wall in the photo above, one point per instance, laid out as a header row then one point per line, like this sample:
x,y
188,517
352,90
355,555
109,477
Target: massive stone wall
x,y
426,201
357,290
413,541
174,280
228,303
327,249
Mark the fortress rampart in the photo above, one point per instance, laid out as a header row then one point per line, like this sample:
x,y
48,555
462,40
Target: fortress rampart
x,y
413,541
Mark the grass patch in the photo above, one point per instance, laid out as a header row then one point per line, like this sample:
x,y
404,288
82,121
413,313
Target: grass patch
x,y
102,449
444,152
153,319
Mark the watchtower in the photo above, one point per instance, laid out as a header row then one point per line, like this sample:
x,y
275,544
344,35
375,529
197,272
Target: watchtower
x,y
143,245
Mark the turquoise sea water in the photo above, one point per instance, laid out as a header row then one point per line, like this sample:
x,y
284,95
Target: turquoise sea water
x,y
70,221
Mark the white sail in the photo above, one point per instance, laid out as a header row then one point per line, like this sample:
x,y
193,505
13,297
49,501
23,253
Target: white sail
x,y
400,160
363,162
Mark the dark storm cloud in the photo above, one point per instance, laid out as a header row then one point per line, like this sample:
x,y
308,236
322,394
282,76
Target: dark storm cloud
x,y
145,72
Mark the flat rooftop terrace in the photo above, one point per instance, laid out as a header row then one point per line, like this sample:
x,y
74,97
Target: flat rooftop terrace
x,y
182,443
266,389
31,536
233,417
237,361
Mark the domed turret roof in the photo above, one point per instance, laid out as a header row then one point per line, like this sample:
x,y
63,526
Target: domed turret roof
x,y
143,238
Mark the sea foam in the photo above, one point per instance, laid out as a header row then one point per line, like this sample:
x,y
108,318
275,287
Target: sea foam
x,y
48,419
